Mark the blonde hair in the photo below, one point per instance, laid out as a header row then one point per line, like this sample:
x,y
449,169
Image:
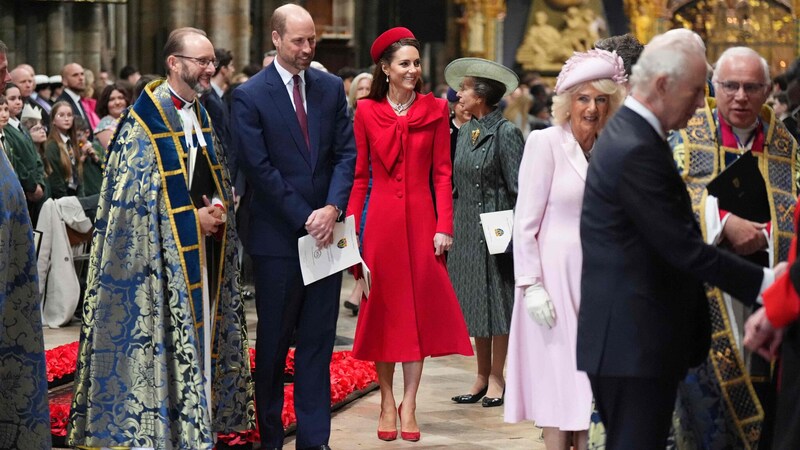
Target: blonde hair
x,y
563,101
351,96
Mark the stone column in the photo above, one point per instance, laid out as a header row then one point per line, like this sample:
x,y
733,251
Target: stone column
x,y
7,31
56,38
91,17
120,38
229,27
181,14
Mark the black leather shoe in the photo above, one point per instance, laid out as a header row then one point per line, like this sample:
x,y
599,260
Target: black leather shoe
x,y
317,447
489,402
470,398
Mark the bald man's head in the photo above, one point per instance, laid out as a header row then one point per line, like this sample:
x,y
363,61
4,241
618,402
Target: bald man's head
x,y
23,79
280,15
73,77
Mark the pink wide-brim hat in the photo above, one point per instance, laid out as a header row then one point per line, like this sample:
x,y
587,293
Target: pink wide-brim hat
x,y
589,66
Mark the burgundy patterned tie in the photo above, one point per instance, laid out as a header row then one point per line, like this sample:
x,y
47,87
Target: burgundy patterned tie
x,y
299,109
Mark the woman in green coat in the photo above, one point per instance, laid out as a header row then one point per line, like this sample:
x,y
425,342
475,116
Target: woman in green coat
x,y
485,171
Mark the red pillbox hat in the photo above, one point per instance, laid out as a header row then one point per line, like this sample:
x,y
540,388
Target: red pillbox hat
x,y
388,38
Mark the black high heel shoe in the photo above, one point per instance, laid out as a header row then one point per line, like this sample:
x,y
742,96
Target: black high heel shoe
x,y
471,398
490,402
351,306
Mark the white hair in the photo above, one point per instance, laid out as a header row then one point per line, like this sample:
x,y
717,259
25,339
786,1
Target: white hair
x,y
666,54
737,53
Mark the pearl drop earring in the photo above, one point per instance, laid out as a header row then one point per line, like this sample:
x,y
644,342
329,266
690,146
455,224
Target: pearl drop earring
x,y
387,78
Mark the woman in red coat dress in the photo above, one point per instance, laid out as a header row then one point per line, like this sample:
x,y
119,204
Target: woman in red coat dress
x,y
412,311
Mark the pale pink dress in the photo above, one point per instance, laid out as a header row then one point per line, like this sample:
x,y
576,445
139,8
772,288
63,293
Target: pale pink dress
x,y
543,383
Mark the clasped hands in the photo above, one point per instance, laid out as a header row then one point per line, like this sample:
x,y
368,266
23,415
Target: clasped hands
x,y
744,236
319,225
539,305
759,334
211,217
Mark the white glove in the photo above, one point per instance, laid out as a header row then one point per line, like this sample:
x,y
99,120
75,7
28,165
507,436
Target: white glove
x,y
539,305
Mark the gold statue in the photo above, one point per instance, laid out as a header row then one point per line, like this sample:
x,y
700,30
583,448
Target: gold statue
x,y
543,47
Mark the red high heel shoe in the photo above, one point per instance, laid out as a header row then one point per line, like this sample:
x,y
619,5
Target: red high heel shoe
x,y
386,435
412,436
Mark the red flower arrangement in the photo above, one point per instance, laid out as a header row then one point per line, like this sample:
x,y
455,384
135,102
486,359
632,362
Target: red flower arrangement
x,y
61,361
348,375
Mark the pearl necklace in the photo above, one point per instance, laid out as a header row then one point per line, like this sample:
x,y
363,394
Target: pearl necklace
x,y
400,107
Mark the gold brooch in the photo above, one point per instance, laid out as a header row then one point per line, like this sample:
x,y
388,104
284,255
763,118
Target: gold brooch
x,y
475,134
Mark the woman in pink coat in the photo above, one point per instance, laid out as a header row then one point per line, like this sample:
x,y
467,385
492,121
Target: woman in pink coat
x,y
543,383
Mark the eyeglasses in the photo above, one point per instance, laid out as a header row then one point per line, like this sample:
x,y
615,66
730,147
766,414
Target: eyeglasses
x,y
202,62
732,87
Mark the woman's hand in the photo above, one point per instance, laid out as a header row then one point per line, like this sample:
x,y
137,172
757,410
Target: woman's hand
x,y
442,243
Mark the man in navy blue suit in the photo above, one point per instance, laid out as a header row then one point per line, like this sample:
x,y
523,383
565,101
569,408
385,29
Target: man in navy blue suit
x,y
295,144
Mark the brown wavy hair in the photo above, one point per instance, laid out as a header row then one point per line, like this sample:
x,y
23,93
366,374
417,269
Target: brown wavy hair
x,y
380,87
55,136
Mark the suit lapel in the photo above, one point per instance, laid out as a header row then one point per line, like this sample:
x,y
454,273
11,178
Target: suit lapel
x,y
574,153
280,98
313,107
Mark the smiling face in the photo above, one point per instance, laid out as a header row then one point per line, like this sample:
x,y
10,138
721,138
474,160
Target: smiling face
x,y
116,104
298,43
191,72
741,108
405,69
588,112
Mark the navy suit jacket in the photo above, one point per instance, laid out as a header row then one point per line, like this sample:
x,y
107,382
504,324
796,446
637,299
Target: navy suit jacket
x,y
643,309
289,179
220,121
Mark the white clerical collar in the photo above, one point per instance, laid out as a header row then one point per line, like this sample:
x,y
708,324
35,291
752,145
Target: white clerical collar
x,y
191,127
639,108
285,75
186,104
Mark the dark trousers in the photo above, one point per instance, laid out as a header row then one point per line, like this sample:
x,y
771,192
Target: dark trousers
x,y
286,307
636,412
786,434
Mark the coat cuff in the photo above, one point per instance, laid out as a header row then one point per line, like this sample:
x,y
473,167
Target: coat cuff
x,y
782,302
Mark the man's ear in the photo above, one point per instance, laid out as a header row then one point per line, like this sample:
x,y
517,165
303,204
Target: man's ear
x,y
662,85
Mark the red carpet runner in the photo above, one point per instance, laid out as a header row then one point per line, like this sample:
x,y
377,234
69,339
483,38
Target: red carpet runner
x,y
350,378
